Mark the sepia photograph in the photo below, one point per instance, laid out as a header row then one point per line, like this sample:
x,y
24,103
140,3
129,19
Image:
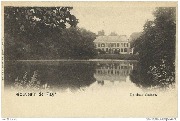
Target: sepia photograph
x,y
89,59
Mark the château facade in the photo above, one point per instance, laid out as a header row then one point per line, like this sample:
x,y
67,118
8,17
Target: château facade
x,y
113,44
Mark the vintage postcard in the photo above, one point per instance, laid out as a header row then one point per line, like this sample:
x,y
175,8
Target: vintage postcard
x,y
89,59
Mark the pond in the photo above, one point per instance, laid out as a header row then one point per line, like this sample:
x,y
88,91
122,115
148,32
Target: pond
x,y
70,75
64,75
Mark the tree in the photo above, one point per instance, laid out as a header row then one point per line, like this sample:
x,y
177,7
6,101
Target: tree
x,y
113,34
76,43
133,37
101,33
42,33
156,48
26,28
18,19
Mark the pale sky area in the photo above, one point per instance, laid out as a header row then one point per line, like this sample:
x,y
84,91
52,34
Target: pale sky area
x,y
122,20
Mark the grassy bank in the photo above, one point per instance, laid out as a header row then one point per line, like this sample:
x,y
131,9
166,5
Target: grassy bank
x,y
100,56
117,56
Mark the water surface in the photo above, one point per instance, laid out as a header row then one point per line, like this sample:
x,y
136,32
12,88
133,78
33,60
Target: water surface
x,y
63,75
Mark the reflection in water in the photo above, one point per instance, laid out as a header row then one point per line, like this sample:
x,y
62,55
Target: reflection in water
x,y
63,75
112,72
33,83
153,77
48,75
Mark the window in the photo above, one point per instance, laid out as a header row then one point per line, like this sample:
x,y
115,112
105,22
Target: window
x,y
125,49
102,45
127,44
99,45
106,49
117,44
115,67
121,44
125,67
121,49
113,44
118,50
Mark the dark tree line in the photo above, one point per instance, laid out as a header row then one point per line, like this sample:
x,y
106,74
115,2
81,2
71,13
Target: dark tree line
x,y
156,48
42,33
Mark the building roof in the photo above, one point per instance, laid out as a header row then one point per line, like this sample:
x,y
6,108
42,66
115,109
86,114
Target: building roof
x,y
121,38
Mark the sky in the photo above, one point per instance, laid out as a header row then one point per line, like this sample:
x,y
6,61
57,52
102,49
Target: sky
x,y
122,20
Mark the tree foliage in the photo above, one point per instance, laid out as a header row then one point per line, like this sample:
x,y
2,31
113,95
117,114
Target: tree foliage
x,y
133,37
101,33
156,48
42,33
113,34
76,43
18,19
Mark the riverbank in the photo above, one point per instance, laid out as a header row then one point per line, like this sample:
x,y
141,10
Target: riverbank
x,y
117,56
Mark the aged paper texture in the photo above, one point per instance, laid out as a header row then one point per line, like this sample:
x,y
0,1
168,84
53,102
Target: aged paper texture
x,y
89,59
